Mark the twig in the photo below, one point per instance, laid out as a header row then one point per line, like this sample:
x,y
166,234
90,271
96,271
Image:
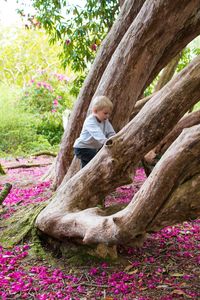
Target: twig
x,y
89,284
44,153
27,165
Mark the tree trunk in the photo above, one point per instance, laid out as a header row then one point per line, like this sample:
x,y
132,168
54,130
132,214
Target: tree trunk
x,y
143,52
167,73
70,213
159,203
186,122
128,13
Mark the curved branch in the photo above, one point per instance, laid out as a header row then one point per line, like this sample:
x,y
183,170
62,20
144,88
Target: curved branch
x,y
186,122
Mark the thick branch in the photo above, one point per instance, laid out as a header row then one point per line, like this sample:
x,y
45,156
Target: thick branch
x,y
17,166
140,50
4,193
186,122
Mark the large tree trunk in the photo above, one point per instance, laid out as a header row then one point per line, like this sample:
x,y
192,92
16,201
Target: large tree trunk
x,y
70,213
121,2
128,13
144,50
187,121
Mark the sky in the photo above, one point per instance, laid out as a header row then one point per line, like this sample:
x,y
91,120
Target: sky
x,y
9,16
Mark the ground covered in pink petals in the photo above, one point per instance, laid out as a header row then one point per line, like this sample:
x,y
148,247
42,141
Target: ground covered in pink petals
x,y
166,267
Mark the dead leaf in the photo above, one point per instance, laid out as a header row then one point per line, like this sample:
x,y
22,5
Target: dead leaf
x,y
177,274
129,267
133,272
180,292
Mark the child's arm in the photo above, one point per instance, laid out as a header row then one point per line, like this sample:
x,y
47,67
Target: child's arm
x,y
109,130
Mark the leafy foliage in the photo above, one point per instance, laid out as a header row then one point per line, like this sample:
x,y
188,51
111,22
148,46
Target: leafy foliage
x,y
79,30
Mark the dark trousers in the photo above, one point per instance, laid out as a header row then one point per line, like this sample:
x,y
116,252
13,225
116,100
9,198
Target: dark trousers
x,y
85,155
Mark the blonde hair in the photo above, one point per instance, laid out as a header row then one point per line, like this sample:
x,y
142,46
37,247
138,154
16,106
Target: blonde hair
x,y
101,102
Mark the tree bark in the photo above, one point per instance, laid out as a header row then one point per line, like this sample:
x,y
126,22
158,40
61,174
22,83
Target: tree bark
x,y
121,2
70,213
128,13
139,105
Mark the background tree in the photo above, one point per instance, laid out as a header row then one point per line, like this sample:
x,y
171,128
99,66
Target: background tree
x,y
79,29
24,53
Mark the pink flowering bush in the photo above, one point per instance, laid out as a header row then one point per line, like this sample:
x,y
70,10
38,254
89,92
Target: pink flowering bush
x,y
47,96
47,92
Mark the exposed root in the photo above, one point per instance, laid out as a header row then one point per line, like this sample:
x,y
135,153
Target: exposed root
x,y
4,193
2,171
17,227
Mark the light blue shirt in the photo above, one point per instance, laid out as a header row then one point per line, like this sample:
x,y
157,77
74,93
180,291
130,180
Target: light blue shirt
x,y
94,133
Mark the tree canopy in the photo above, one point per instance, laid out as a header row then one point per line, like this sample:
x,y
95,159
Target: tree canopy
x,y
79,29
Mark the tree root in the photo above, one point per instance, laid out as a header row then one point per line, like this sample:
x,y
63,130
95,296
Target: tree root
x,y
17,227
2,172
49,153
4,193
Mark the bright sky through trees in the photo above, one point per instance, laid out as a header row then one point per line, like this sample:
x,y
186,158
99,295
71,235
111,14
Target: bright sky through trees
x,y
8,13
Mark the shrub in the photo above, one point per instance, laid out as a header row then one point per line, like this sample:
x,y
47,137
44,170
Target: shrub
x,y
51,127
47,97
47,92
